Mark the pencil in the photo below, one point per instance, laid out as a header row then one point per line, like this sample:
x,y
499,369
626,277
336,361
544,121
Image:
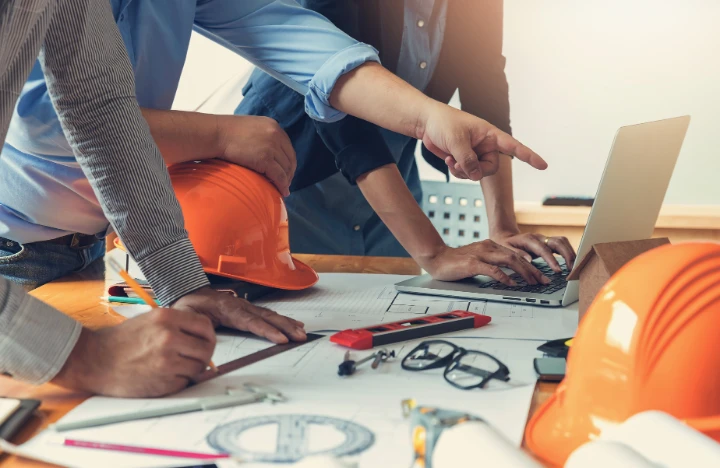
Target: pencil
x,y
142,294
143,450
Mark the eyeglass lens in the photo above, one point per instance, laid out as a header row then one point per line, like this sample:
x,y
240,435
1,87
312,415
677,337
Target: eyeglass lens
x,y
427,354
472,369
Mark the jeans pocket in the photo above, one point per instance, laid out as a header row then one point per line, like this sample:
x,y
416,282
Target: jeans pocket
x,y
8,257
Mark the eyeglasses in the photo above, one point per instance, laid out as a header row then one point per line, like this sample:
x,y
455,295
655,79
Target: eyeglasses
x,y
465,369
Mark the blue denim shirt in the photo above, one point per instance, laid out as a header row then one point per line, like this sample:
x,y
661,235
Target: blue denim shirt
x,y
44,193
328,213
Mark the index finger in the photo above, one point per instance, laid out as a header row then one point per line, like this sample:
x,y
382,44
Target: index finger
x,y
564,248
509,145
193,323
257,326
288,326
278,177
518,264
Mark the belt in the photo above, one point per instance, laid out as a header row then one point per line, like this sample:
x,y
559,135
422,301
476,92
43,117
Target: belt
x,y
76,241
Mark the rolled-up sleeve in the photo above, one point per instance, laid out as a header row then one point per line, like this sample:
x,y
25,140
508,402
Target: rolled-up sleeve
x,y
298,47
357,145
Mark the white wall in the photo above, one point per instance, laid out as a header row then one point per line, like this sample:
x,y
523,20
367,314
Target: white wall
x,y
579,69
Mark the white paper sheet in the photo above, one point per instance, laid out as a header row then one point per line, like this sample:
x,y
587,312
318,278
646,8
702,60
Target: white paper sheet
x,y
370,398
346,300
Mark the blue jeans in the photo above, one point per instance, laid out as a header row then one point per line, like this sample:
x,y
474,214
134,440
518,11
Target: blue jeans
x,y
37,263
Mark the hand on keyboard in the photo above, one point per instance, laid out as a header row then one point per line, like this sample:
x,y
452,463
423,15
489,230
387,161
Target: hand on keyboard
x,y
557,282
537,245
481,258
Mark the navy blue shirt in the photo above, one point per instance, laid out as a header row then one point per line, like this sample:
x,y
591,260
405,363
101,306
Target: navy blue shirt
x,y
328,213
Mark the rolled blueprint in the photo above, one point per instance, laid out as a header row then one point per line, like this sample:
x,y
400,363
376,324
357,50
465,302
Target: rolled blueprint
x,y
604,454
475,444
665,440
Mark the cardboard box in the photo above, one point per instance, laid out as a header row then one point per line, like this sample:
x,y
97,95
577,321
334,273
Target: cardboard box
x,y
603,261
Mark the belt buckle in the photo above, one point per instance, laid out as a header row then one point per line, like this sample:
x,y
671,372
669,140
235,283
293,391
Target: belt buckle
x,y
75,241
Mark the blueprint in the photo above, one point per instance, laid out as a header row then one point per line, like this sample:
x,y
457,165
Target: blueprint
x,y
321,404
344,300
321,407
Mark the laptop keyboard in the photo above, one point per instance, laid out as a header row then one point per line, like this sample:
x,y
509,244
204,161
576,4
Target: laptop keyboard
x,y
557,282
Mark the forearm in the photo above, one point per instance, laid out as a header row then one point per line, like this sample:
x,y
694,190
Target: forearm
x,y
499,201
372,93
183,136
90,81
386,192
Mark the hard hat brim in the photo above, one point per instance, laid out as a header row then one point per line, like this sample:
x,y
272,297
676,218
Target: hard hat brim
x,y
302,277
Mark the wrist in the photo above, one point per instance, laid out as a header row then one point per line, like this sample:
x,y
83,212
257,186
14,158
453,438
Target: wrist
x,y
219,140
426,107
502,223
504,231
427,258
78,370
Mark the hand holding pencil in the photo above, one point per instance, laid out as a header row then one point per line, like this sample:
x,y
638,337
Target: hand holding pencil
x,y
151,355
142,293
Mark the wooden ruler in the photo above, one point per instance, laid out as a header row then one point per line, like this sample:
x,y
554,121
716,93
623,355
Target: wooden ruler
x,y
257,356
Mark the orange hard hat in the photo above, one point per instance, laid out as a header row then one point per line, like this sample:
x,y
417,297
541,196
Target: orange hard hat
x,y
649,341
237,222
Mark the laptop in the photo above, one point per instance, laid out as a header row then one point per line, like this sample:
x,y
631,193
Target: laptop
x,y
626,207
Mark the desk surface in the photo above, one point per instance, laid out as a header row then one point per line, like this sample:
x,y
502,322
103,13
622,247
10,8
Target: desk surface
x,y
78,296
692,217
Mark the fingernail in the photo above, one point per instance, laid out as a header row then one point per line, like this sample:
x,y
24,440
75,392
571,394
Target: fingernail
x,y
513,283
545,280
300,331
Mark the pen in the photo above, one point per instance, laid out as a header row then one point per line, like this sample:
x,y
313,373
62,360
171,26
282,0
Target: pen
x,y
124,300
143,450
142,294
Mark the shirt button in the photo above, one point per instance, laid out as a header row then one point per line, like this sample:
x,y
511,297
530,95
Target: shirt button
x,y
420,23
356,227
423,65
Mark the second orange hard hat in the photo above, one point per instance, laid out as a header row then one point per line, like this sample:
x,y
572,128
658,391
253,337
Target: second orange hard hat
x,y
649,341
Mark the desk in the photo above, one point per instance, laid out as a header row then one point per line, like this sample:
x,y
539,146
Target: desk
x,y
679,223
78,296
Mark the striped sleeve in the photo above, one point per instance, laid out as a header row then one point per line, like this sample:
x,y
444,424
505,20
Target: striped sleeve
x,y
91,84
35,339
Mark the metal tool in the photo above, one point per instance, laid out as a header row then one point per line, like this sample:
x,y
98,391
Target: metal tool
x,y
349,366
427,424
234,397
382,356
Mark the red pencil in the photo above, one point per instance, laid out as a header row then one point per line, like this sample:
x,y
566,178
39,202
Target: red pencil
x,y
144,450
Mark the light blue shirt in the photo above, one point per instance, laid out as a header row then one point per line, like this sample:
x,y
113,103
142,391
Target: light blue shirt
x,y
44,193
332,216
